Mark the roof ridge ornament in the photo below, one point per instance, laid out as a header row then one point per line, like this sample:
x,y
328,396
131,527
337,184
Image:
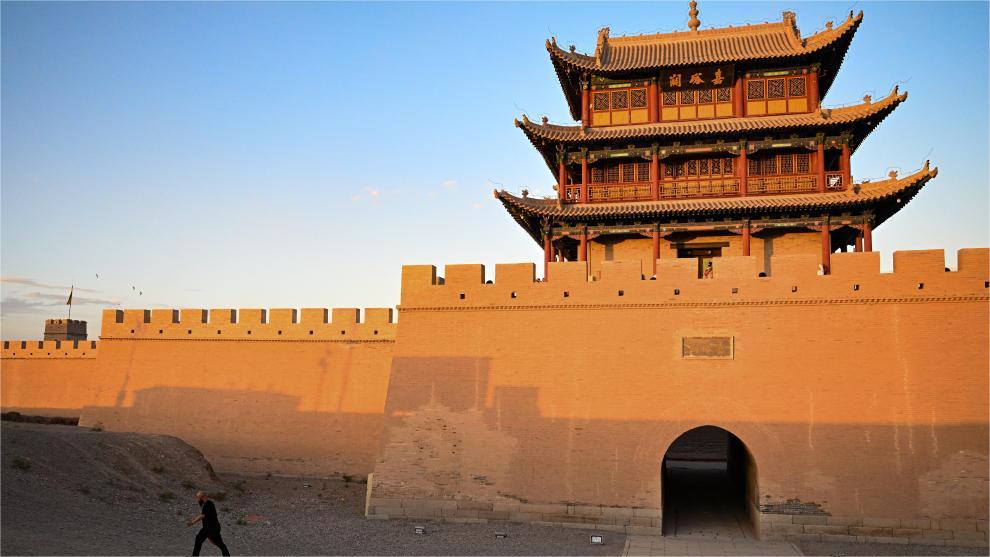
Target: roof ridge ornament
x,y
601,44
694,22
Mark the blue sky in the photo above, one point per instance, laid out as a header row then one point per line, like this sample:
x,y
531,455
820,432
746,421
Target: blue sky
x,y
296,155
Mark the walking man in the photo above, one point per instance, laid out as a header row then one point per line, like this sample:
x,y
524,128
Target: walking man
x,y
211,525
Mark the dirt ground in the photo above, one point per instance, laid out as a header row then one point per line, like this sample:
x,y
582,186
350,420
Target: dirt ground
x,y
72,491
68,490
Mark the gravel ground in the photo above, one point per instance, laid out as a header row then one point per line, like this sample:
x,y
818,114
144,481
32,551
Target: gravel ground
x,y
71,491
842,549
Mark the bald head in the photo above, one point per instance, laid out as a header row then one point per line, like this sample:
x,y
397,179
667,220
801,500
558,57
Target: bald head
x,y
201,496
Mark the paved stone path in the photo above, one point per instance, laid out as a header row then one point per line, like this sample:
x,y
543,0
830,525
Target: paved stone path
x,y
647,546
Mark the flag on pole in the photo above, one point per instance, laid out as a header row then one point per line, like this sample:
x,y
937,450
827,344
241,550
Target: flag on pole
x,y
69,302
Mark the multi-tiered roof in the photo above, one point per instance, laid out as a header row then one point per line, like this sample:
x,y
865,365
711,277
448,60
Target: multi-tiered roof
x,y
724,125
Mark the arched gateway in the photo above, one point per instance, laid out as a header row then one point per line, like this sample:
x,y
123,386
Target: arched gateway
x,y
708,484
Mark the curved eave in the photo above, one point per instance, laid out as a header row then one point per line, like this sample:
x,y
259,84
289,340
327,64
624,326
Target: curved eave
x,y
827,47
885,197
568,83
862,119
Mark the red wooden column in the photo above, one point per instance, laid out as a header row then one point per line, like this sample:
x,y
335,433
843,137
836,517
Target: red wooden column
x,y
584,178
583,250
745,238
742,171
547,255
561,179
585,103
654,101
845,166
656,250
655,176
858,242
868,234
737,98
820,165
813,101
826,246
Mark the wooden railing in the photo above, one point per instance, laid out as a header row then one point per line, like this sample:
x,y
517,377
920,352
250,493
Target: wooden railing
x,y
713,187
686,189
782,184
834,181
619,192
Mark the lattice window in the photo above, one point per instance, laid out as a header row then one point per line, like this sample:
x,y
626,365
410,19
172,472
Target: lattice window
x,y
703,167
628,173
727,166
796,87
692,168
638,98
775,88
620,100
754,90
723,95
786,164
643,172
669,98
716,167
769,165
668,171
601,101
754,167
803,163
612,174
597,175
687,97
704,96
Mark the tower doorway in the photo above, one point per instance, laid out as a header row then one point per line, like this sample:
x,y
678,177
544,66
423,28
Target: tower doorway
x,y
704,254
708,485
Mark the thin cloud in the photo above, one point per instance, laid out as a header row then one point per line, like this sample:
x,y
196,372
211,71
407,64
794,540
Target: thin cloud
x,y
18,306
449,185
374,195
31,282
44,298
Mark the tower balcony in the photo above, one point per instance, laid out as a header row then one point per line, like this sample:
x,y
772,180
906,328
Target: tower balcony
x,y
703,188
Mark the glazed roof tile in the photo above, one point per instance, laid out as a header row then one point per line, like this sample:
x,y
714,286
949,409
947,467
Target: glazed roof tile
x,y
710,46
863,194
749,44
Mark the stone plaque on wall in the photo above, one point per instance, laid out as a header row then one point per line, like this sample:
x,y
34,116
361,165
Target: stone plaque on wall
x,y
719,348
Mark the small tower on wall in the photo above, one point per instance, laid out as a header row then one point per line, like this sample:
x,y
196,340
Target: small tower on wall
x,y
65,329
708,143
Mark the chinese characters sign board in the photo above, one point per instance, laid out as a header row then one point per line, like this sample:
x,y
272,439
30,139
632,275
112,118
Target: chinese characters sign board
x,y
696,78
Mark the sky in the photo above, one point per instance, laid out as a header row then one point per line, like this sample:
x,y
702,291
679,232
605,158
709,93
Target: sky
x,y
297,155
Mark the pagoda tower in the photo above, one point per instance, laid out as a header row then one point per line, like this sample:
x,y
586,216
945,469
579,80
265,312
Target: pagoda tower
x,y
708,143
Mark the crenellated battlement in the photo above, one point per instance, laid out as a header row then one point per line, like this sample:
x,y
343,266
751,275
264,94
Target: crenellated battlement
x,y
307,324
855,277
60,349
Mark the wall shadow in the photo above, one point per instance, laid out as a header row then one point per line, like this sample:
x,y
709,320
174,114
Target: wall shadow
x,y
250,431
443,439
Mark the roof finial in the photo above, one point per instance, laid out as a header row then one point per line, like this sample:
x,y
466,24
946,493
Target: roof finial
x,y
693,12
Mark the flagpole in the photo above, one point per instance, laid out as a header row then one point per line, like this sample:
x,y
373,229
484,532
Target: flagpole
x,y
71,288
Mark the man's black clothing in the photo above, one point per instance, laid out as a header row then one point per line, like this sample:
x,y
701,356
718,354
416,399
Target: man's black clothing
x,y
214,537
210,530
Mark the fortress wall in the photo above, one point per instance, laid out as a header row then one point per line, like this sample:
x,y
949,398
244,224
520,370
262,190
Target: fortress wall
x,y
281,391
862,396
47,378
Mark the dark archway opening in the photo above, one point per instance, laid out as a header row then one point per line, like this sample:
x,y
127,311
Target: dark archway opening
x,y
709,486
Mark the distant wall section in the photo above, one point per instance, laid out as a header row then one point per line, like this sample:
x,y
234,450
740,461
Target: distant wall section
x,y
48,378
283,390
